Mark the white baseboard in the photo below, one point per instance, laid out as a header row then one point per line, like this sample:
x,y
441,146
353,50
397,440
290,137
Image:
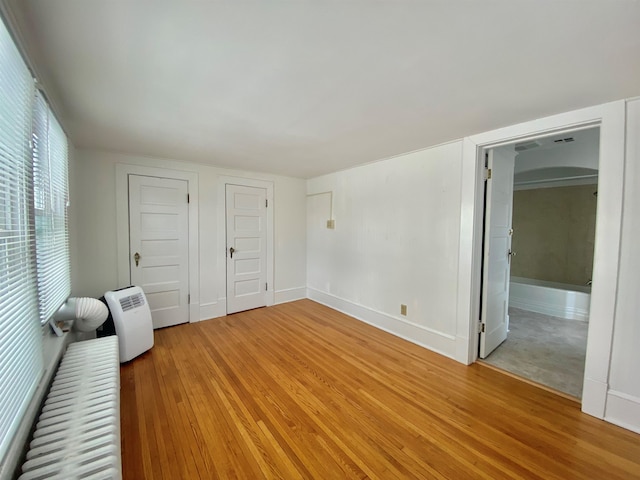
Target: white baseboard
x,y
430,339
623,410
561,311
213,309
290,294
219,308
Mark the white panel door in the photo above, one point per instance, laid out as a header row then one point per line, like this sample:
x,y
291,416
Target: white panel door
x,y
246,212
159,246
497,250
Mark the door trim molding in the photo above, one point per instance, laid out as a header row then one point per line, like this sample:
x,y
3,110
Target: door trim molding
x,y
223,181
610,117
123,171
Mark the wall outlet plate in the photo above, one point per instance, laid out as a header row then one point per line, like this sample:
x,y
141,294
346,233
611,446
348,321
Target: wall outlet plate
x,y
331,224
403,309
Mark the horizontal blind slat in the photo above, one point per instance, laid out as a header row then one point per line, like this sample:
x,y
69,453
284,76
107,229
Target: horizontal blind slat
x,y
20,336
50,200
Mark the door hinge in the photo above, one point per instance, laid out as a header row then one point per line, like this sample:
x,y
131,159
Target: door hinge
x,y
487,173
266,286
482,327
189,298
266,202
188,198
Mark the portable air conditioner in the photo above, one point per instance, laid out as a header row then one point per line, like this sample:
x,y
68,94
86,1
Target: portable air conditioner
x,y
132,321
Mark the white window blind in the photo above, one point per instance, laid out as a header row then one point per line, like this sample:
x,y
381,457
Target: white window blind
x,y
51,194
20,333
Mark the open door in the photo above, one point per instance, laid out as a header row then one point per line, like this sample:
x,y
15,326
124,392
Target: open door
x,y
497,249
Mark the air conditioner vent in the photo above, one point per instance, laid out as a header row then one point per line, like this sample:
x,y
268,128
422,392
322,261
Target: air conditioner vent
x,y
132,321
564,140
131,302
521,147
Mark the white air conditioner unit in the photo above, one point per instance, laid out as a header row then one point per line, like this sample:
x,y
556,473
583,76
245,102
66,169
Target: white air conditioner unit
x,y
132,321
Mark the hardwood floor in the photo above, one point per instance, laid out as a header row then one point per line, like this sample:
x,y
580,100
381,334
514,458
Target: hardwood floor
x,y
302,391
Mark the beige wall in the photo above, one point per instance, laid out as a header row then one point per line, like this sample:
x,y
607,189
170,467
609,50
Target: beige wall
x,y
554,230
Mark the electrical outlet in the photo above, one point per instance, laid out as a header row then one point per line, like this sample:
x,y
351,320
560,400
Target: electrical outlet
x,y
403,309
331,224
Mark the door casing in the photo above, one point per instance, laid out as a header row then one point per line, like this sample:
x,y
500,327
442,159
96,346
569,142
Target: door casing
x,y
610,118
248,253
223,180
122,226
177,207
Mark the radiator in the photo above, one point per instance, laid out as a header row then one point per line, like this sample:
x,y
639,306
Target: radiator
x,y
77,435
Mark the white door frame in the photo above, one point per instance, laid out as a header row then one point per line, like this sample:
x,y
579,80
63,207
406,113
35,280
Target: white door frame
x,y
122,226
610,118
223,181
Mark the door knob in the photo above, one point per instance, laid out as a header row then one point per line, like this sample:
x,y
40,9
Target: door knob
x,y
136,257
231,250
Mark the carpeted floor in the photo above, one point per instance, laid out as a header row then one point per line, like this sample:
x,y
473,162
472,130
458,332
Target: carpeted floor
x,y
545,349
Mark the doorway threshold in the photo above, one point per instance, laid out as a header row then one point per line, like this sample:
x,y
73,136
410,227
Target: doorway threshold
x,y
529,381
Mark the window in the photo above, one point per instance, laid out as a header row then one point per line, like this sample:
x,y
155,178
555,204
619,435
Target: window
x,y
20,335
51,198
34,240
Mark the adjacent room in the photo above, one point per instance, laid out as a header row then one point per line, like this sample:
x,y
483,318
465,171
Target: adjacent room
x,y
338,239
554,188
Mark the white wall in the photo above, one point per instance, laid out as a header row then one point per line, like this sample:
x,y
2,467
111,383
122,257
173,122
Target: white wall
x,y
290,239
395,242
93,228
623,401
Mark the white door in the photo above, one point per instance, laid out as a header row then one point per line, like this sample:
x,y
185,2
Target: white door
x,y
159,246
246,209
497,249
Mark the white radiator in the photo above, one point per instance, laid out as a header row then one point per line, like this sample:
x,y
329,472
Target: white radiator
x,y
78,432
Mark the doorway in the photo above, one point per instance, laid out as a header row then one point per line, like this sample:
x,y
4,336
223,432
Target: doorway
x,y
540,203
611,118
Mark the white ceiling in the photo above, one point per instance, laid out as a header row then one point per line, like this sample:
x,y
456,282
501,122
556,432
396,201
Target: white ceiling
x,y
305,87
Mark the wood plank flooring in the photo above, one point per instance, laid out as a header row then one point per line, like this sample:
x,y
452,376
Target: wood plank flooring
x,y
302,391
